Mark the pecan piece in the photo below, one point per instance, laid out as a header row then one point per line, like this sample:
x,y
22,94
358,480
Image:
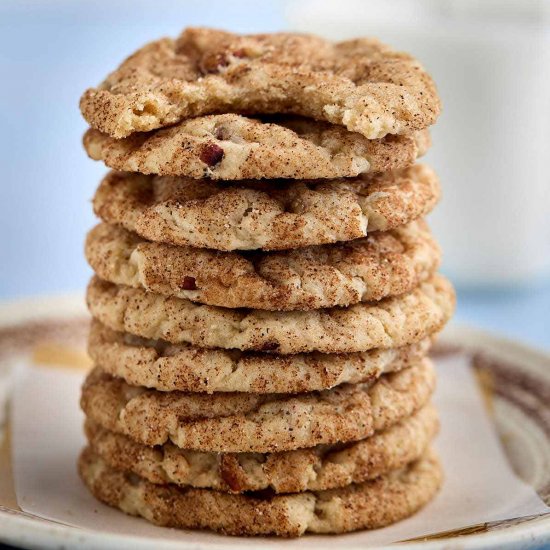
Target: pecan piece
x,y
189,283
211,154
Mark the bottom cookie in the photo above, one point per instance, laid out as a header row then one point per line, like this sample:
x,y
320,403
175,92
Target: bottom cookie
x,y
367,505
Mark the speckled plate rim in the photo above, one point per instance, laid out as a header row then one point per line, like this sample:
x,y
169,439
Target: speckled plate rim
x,y
30,531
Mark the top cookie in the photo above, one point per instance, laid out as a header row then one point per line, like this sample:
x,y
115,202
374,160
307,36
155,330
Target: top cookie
x,y
361,84
232,147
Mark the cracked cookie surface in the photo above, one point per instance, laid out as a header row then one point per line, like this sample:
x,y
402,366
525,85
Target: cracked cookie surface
x,y
233,147
269,215
312,469
360,84
245,422
381,265
392,322
167,367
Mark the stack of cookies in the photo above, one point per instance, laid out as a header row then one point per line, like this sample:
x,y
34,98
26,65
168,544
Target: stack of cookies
x,y
266,290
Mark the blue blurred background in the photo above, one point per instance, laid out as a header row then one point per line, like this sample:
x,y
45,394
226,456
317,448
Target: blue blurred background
x,y
50,51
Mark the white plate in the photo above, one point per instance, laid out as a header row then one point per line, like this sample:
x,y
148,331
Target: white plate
x,y
516,379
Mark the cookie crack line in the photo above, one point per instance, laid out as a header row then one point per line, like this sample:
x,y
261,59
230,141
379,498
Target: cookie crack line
x,y
393,322
382,265
360,84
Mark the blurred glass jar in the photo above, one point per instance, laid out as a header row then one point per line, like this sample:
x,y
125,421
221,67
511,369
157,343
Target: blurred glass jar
x,y
491,62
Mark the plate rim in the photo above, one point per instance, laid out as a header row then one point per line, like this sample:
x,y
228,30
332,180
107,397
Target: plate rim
x,y
35,532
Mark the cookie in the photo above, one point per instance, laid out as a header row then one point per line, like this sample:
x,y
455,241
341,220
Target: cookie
x,y
393,322
233,147
383,264
361,84
366,505
245,422
314,469
168,367
271,215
